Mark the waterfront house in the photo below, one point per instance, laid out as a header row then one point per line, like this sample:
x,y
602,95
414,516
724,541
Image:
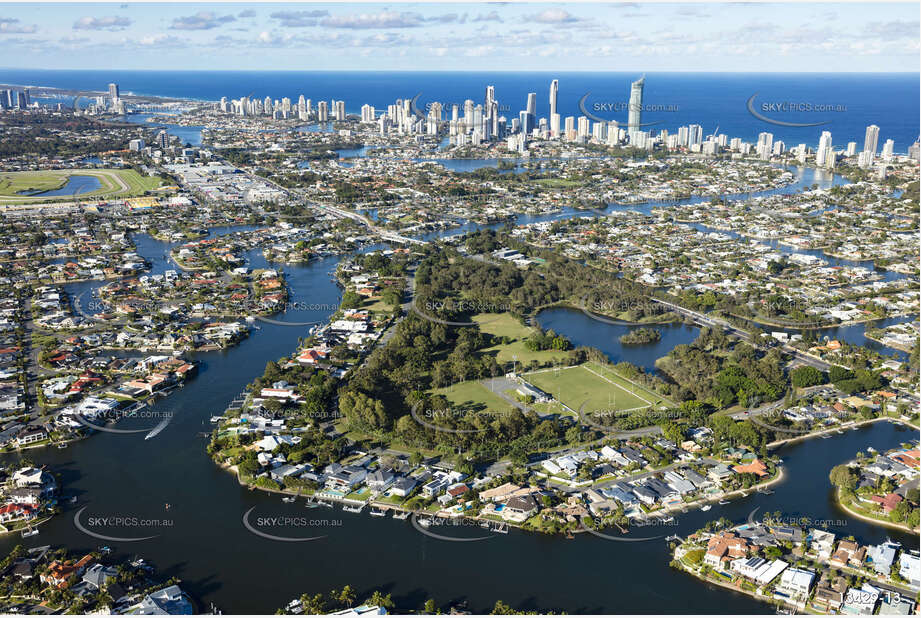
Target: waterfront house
x,y
403,486
792,534
457,491
97,576
882,557
756,467
622,494
678,482
666,494
519,508
821,542
346,479
766,575
499,494
910,568
170,600
796,583
25,495
286,470
698,480
719,473
723,547
30,477
645,495
887,503
379,480
13,512
849,553
59,573
749,567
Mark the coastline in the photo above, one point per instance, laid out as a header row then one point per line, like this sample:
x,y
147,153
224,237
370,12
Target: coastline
x,y
849,425
880,522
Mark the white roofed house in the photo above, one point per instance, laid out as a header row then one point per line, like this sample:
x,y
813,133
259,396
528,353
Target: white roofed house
x,y
346,478
822,542
796,583
882,557
910,568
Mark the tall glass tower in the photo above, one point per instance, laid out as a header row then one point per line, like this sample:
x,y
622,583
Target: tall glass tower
x,y
634,119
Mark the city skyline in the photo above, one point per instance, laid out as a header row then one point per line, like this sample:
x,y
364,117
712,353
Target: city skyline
x,y
451,37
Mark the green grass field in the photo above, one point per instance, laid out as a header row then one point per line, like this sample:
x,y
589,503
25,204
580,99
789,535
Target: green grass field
x,y
608,372
504,325
586,385
113,183
473,396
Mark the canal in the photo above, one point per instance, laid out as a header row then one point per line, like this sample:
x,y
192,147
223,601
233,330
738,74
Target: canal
x,y
198,508
194,510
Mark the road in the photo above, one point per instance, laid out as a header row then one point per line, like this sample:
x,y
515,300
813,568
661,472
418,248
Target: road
x,y
706,320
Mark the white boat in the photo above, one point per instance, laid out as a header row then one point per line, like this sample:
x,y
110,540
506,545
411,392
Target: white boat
x,y
376,513
668,520
400,514
723,502
425,523
706,507
30,532
288,499
250,318
353,509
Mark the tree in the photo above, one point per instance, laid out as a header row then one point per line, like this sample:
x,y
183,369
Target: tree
x,y
501,609
313,604
380,599
346,596
837,374
806,376
843,477
351,300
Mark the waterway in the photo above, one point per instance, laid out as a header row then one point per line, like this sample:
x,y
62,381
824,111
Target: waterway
x,y
77,184
201,538
191,135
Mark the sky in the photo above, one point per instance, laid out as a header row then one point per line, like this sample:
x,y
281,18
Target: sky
x,y
743,37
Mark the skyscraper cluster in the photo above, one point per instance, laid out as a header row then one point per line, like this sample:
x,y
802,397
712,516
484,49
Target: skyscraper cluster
x,y
15,99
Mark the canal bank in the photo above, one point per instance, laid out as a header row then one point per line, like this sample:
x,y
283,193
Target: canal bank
x,y
220,561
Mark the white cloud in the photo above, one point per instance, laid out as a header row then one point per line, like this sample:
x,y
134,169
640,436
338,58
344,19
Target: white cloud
x,y
203,20
383,19
111,23
12,26
554,16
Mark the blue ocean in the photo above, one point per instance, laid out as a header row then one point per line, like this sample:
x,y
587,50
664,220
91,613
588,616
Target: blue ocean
x,y
844,104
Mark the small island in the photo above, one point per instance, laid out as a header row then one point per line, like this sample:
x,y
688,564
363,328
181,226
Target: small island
x,y
641,336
